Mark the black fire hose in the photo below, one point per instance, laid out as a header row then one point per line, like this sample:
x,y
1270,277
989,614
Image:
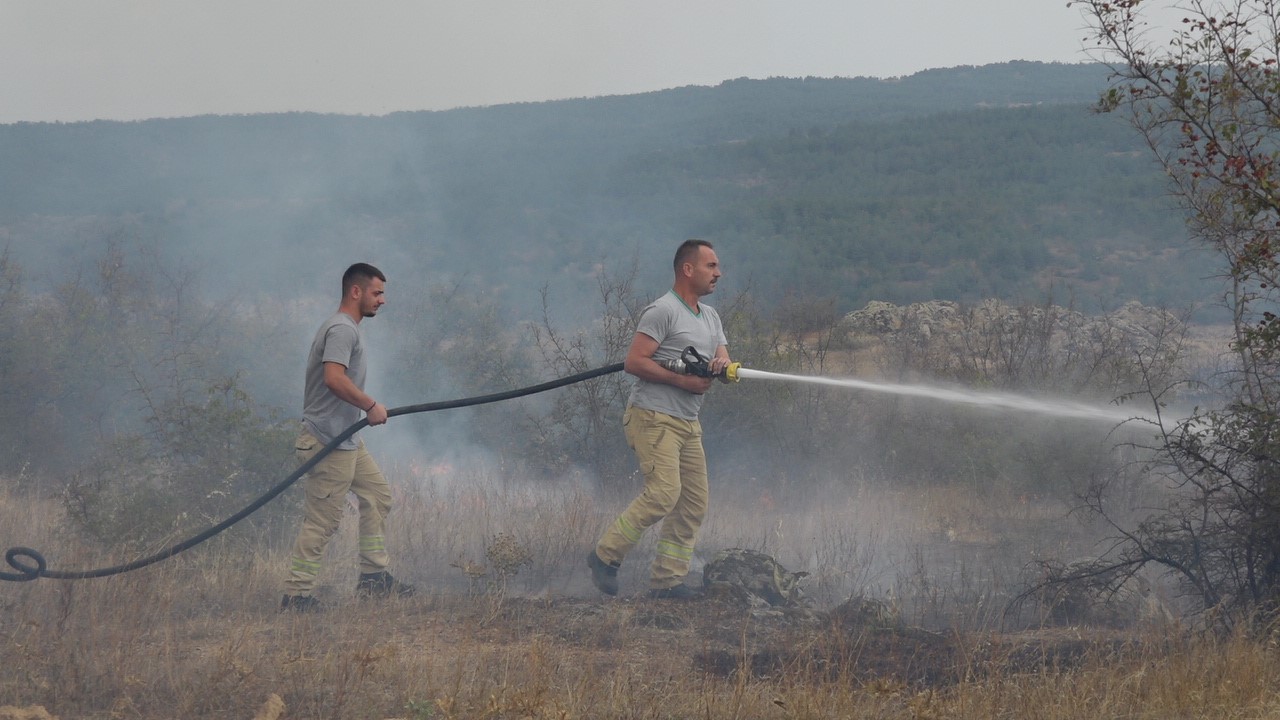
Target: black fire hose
x,y
40,568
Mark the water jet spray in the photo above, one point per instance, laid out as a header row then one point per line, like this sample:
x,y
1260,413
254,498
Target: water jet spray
x,y
1003,400
691,362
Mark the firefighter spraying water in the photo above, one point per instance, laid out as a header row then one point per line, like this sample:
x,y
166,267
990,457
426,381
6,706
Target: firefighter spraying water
x,y
662,427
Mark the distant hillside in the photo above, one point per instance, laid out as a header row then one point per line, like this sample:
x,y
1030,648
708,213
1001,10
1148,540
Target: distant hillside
x,y
955,184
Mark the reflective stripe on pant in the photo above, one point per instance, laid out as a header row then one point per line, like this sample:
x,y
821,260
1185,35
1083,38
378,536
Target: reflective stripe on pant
x,y
675,491
326,488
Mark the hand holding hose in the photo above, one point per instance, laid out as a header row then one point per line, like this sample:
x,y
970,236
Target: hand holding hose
x,y
377,414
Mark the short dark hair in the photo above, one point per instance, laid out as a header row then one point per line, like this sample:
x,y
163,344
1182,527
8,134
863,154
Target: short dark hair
x,y
687,250
359,274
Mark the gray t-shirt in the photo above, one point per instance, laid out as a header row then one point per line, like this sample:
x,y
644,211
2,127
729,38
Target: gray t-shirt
x,y
325,415
675,326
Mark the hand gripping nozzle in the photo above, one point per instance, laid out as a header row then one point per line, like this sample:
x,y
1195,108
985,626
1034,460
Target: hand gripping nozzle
x,y
691,362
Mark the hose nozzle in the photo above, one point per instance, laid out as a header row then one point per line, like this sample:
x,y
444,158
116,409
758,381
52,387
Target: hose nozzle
x,y
691,362
730,373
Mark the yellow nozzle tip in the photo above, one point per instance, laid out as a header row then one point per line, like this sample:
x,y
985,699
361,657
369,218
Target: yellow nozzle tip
x,y
731,372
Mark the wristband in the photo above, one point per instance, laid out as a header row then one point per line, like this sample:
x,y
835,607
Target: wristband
x,y
366,412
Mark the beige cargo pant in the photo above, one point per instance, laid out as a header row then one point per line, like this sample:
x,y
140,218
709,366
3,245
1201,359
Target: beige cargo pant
x,y
326,487
675,491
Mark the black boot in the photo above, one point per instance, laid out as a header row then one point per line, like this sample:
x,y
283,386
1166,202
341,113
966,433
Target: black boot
x,y
381,585
603,575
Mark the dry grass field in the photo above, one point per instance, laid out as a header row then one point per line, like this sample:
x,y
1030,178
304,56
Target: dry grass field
x,y
199,636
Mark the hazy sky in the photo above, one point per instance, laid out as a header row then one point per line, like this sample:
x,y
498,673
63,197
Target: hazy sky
x,y
130,59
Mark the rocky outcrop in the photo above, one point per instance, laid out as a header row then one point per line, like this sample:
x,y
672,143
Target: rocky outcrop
x,y
940,318
1048,347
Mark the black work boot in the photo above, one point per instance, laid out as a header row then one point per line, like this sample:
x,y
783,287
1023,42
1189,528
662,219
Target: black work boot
x,y
603,575
299,603
677,592
381,585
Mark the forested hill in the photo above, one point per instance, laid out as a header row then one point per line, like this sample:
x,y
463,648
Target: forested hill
x,y
951,184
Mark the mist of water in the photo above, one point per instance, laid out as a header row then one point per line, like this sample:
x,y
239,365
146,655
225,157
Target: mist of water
x,y
1000,400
